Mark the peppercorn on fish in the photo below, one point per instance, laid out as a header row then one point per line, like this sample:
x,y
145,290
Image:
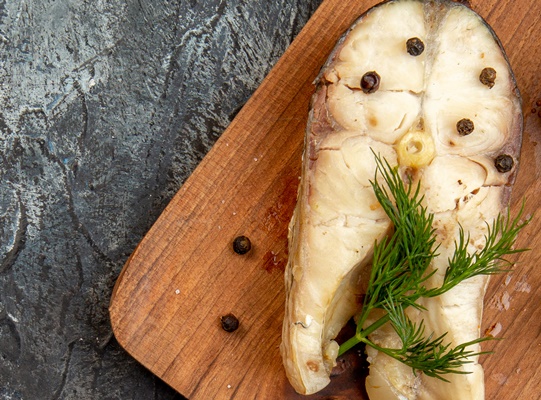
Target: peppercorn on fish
x,y
426,86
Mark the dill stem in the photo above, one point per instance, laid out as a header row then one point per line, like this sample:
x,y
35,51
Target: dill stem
x,y
361,335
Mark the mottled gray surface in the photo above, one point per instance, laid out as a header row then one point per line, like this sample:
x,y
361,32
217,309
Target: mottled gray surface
x,y
106,106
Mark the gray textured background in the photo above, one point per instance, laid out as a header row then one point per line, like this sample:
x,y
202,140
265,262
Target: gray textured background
x,y
106,106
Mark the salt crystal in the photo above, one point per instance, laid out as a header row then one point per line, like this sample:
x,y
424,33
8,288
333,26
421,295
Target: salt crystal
x,y
501,379
523,286
13,318
505,300
495,329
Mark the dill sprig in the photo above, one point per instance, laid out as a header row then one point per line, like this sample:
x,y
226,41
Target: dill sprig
x,y
499,242
401,267
431,356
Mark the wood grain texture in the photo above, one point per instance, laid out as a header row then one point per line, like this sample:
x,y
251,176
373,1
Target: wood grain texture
x,y
184,275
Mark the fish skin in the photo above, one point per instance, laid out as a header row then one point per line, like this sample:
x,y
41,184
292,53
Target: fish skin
x,y
337,218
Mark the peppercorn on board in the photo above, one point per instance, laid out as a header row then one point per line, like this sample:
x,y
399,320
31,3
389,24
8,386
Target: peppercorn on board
x,y
184,276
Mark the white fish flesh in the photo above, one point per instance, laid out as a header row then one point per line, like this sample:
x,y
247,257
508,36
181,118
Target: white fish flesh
x,y
446,110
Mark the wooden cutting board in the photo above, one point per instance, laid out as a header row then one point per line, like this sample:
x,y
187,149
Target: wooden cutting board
x,y
184,275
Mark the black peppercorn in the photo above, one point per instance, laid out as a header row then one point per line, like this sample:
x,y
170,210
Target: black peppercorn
x,y
230,323
370,82
415,46
504,163
488,77
242,245
465,126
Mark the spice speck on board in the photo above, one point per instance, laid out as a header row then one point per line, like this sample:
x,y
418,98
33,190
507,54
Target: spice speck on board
x,y
229,322
242,245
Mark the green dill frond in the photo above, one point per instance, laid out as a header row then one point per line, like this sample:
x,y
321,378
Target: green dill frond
x,y
499,243
401,267
433,357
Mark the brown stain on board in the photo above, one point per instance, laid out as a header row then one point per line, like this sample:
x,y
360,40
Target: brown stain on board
x,y
280,212
276,217
535,110
273,261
